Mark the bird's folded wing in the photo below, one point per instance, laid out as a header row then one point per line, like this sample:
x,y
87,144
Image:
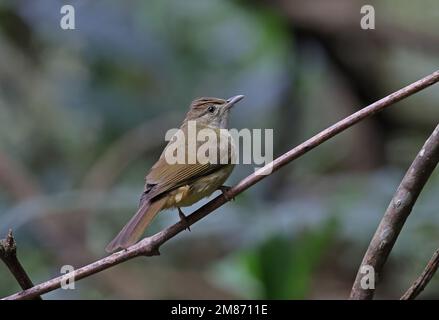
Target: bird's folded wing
x,y
164,177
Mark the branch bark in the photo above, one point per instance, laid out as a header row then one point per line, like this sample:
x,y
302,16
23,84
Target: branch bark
x,y
396,214
150,245
8,254
419,285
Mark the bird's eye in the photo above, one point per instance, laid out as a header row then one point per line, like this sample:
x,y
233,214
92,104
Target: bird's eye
x,y
211,109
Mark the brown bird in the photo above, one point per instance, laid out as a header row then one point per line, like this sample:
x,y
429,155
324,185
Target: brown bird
x,y
179,185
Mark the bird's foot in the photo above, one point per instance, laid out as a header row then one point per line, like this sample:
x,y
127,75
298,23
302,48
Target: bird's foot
x,y
184,219
224,190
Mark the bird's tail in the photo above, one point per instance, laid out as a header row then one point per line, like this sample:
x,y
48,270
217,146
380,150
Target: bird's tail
x,y
134,229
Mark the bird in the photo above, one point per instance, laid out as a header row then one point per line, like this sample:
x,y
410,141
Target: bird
x,y
181,184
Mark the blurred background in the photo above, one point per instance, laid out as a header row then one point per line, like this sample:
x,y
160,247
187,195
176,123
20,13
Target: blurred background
x,y
83,114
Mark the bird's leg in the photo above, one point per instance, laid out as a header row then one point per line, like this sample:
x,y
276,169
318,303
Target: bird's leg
x,y
184,219
224,190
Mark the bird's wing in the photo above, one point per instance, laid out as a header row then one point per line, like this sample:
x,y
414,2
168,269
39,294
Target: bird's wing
x,y
164,177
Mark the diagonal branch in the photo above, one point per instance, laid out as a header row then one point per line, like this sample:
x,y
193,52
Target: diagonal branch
x,y
419,285
396,214
150,246
8,254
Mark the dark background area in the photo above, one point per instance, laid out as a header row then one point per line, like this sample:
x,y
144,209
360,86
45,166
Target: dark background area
x,y
83,115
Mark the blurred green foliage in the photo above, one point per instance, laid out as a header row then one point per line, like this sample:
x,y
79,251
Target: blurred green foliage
x,y
83,115
285,266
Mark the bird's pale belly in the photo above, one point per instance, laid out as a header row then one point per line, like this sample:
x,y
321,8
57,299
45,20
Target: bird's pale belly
x,y
187,195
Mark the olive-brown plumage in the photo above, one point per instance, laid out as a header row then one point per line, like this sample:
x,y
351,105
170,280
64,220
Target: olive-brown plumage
x,y
183,184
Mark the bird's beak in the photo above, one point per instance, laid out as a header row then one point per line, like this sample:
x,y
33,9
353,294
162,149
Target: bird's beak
x,y
233,100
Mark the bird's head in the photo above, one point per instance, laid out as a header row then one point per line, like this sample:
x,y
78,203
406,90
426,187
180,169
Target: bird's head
x,y
212,112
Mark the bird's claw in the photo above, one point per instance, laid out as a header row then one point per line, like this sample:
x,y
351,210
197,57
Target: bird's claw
x,y
224,190
184,219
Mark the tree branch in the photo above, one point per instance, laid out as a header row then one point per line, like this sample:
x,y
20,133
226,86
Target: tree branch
x,y
419,285
8,254
150,245
397,212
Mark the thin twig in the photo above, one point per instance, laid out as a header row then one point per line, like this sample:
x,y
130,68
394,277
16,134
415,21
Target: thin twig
x,y
419,285
8,254
396,214
150,246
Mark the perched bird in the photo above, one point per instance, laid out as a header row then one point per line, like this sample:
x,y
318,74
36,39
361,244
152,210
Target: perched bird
x,y
176,185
